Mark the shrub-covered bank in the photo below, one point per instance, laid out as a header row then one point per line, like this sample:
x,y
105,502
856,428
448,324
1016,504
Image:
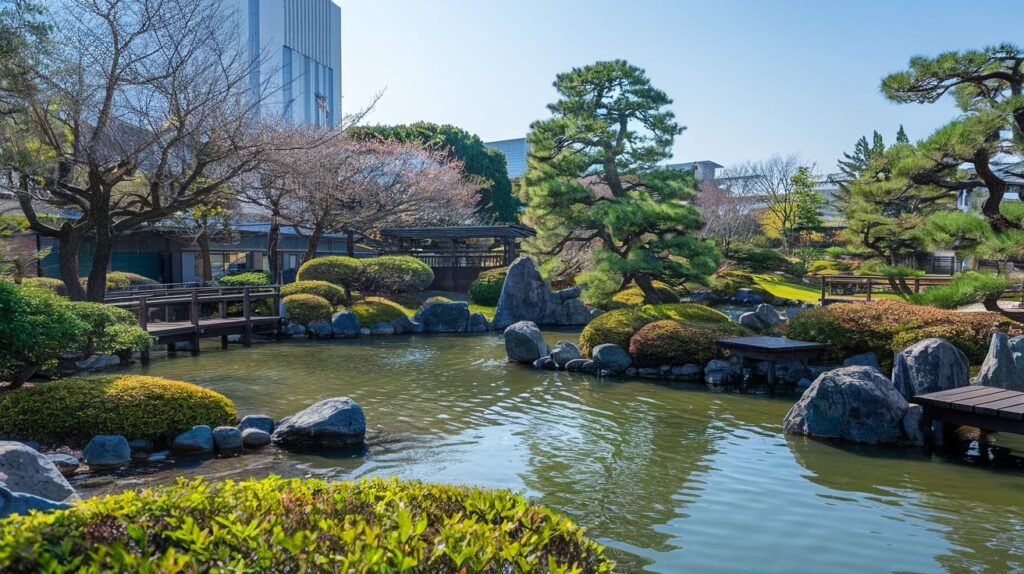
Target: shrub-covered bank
x,y
277,525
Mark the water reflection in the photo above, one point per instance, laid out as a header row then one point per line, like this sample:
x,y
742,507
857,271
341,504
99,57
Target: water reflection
x,y
671,479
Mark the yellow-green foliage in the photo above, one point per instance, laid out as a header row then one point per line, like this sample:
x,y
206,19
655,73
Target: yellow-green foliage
x,y
345,272
245,278
373,310
619,326
486,289
71,411
303,308
678,342
395,274
335,295
125,279
632,296
278,525
55,285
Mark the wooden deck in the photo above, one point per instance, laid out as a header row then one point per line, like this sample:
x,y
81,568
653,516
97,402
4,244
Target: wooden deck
x,y
159,312
772,350
988,408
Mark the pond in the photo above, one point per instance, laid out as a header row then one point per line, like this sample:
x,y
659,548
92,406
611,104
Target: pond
x,y
670,479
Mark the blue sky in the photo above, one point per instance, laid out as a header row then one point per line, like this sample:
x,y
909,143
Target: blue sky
x,y
750,78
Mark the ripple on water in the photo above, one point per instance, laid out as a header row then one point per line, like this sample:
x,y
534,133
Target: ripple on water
x,y
672,480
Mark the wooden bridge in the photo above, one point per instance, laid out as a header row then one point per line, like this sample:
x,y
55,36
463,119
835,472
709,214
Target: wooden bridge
x,y
988,408
846,288
177,315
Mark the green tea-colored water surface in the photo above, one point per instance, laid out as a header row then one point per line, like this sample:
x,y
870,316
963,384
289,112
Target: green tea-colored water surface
x,y
672,480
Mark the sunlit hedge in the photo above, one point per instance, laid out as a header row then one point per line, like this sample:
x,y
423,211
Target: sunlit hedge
x,y
245,279
395,274
71,411
345,272
373,310
620,325
486,289
335,295
277,525
678,343
303,308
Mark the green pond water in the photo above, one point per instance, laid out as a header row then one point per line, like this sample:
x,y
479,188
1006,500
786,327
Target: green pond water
x,y
670,479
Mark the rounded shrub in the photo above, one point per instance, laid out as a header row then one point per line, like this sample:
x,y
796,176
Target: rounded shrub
x,y
486,289
670,342
72,411
335,295
279,525
395,274
55,285
36,326
125,280
619,325
109,329
304,307
633,295
373,310
345,272
245,279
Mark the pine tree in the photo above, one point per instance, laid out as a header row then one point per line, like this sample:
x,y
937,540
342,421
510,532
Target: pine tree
x,y
901,136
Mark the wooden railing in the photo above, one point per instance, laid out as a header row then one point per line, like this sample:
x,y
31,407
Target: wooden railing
x,y
474,259
872,284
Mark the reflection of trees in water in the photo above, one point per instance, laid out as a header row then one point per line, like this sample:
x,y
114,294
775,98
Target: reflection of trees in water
x,y
980,510
629,459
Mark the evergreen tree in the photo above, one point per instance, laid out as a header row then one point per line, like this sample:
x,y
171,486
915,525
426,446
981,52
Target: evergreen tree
x,y
901,136
593,187
857,162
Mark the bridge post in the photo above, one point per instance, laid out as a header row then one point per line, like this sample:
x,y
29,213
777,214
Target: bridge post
x,y
277,310
869,289
223,308
144,325
194,318
822,290
247,311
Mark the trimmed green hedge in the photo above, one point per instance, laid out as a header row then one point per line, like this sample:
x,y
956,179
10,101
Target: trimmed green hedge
x,y
245,279
335,295
619,326
633,296
303,308
72,411
36,326
345,272
486,289
373,310
55,285
278,525
110,329
678,343
395,274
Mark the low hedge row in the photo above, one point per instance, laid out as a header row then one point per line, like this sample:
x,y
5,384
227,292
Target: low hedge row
x,y
72,411
619,326
885,327
277,525
115,280
392,274
672,342
245,279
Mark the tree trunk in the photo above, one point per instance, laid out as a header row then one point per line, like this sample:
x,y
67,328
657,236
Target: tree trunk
x,y
96,290
273,238
69,271
20,376
314,242
204,255
651,296
996,190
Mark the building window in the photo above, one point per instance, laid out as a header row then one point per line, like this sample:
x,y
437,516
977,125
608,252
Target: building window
x,y
286,80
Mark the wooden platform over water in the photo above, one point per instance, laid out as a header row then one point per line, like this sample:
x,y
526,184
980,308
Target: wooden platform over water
x,y
988,408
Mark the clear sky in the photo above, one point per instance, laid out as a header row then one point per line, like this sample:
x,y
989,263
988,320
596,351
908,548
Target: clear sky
x,y
750,78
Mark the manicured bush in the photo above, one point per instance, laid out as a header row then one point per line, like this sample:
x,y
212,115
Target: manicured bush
x,y
36,326
71,411
395,274
762,260
727,283
245,279
279,525
373,310
303,308
109,329
633,295
345,272
885,327
671,342
125,279
965,289
486,289
335,295
55,285
619,326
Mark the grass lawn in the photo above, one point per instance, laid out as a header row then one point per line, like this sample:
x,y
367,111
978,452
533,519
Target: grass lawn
x,y
779,287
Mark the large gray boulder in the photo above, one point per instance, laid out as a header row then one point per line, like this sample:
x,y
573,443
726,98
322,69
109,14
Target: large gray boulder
x,y
929,366
330,423
611,358
345,324
23,503
858,404
107,451
30,472
320,329
525,296
1004,364
404,325
478,323
863,360
524,342
564,352
255,438
763,318
442,317
196,440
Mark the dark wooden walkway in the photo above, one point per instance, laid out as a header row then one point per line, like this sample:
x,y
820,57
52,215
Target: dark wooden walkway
x,y
177,315
988,408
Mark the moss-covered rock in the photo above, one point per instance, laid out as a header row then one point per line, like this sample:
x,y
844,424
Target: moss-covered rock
x,y
278,525
71,411
619,326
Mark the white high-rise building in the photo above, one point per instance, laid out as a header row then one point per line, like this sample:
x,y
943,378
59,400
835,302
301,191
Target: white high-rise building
x,y
300,43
